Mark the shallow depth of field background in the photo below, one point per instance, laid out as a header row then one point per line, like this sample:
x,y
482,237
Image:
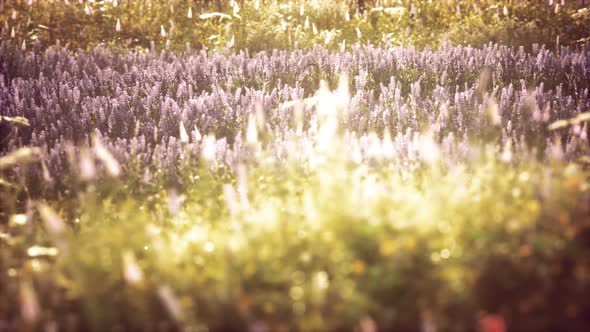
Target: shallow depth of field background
x,y
260,165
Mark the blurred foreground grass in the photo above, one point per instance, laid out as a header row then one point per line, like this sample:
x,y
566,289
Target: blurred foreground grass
x,y
317,240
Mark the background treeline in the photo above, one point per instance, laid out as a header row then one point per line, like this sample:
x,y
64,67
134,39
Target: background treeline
x,y
264,24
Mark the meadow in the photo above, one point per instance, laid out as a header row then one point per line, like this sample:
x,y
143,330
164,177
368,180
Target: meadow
x,y
306,184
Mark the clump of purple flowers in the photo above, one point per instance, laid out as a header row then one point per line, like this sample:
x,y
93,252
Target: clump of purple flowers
x,y
138,104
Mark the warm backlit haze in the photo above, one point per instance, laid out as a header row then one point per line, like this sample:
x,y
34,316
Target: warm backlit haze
x,y
258,165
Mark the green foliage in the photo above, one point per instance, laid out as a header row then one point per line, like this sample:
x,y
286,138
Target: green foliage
x,y
275,24
310,250
534,22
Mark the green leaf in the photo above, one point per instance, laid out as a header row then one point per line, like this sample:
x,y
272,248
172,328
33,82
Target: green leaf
x,y
583,117
4,183
214,14
559,124
15,119
20,156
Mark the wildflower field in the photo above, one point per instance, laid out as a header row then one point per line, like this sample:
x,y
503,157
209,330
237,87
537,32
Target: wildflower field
x,y
307,184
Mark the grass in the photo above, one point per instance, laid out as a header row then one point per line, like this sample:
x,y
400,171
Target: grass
x,y
318,237
302,222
